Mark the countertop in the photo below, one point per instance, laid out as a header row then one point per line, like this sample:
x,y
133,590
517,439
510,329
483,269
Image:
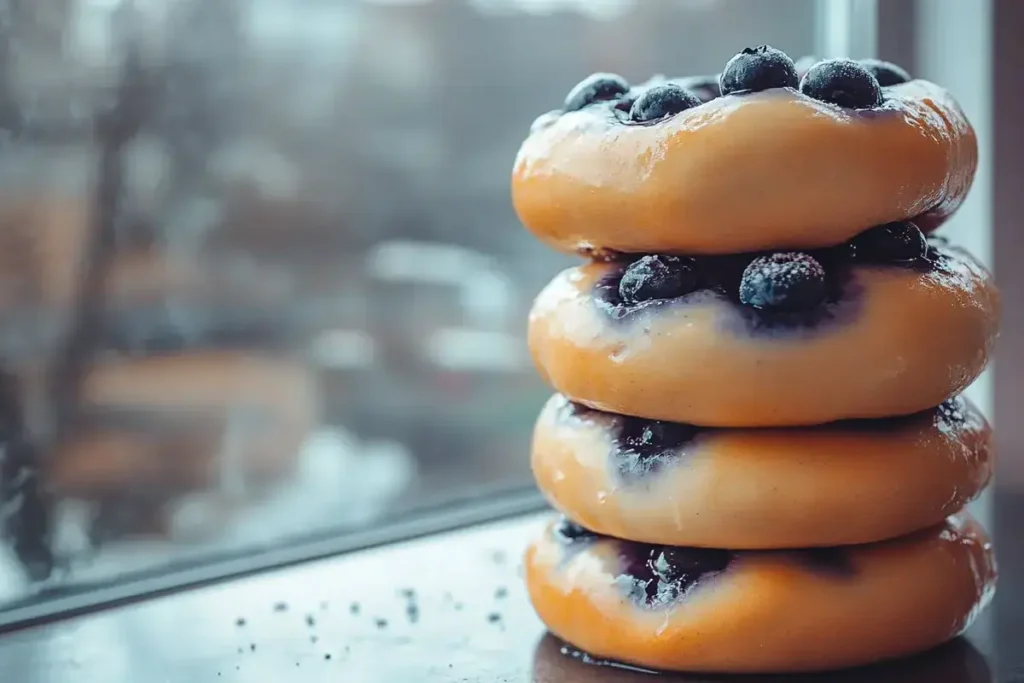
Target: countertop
x,y
445,608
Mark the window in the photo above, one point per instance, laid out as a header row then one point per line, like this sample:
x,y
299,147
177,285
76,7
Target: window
x,y
263,283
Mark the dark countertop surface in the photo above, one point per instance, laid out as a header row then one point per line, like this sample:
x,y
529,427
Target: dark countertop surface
x,y
449,607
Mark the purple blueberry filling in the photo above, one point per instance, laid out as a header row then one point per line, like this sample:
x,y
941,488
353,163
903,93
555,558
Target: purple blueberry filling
x,y
642,447
722,276
655,576
901,242
773,291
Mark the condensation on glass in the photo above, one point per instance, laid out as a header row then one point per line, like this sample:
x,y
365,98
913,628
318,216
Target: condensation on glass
x,y
260,275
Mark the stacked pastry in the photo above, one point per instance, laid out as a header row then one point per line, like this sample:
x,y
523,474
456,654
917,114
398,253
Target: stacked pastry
x,y
758,443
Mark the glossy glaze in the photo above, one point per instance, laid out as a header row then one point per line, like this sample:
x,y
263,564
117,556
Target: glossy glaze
x,y
768,170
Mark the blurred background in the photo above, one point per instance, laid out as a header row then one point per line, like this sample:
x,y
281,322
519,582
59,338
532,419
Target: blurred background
x,y
260,278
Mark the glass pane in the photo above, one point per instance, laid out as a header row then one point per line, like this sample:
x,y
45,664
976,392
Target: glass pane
x,y
262,276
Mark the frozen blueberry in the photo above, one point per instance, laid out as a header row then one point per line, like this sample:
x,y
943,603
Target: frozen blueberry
x,y
890,243
843,82
886,73
661,101
650,437
596,87
953,411
758,68
657,277
686,565
783,282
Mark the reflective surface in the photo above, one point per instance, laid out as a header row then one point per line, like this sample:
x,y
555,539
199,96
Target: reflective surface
x,y
260,279
450,607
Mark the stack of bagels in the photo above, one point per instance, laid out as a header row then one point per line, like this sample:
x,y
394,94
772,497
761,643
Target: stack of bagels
x,y
758,444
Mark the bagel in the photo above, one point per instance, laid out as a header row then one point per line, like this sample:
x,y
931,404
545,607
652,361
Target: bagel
x,y
888,340
769,170
724,611
839,484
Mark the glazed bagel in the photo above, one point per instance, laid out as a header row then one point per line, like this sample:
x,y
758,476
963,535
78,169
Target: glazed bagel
x,y
840,484
888,340
183,422
759,611
769,170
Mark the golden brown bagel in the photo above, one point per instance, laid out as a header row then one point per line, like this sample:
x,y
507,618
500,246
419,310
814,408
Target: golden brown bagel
x,y
894,341
769,170
840,484
760,612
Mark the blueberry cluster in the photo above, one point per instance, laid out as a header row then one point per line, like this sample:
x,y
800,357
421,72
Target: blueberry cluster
x,y
662,574
780,281
657,575
641,446
651,437
843,82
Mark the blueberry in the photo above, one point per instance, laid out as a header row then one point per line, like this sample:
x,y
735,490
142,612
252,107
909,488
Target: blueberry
x,y
953,411
758,68
686,565
843,82
783,282
657,277
596,87
651,437
661,101
886,73
893,242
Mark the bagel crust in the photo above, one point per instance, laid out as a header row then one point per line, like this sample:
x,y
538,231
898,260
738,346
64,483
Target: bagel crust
x,y
892,341
760,612
840,484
